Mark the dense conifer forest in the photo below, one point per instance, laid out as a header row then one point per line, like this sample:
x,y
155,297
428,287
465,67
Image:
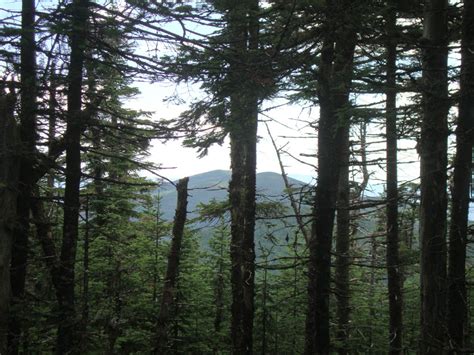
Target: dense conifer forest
x,y
102,253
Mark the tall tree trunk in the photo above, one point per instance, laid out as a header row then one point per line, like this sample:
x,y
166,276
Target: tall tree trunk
x,y
85,280
27,157
433,152
372,287
295,292
219,285
169,287
457,295
394,279
52,119
264,305
333,92
156,255
342,249
243,26
9,170
242,197
66,330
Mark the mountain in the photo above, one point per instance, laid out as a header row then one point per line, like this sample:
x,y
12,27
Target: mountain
x,y
213,185
270,187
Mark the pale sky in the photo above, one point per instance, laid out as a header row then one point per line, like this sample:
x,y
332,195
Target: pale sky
x,y
185,162
289,126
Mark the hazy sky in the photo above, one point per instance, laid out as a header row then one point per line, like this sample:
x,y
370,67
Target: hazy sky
x,y
289,130
289,127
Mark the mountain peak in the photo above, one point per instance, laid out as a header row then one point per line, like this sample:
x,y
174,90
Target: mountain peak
x,y
214,184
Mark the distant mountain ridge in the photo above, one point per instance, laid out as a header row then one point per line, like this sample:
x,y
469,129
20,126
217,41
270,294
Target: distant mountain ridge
x,y
214,184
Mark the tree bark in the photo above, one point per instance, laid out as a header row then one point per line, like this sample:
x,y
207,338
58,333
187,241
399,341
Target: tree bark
x,y
372,287
342,249
334,82
172,270
9,171
27,157
242,196
85,280
394,279
66,330
457,294
433,153
243,27
219,284
265,296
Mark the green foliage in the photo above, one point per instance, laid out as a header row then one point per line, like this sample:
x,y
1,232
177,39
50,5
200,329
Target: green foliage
x,y
124,238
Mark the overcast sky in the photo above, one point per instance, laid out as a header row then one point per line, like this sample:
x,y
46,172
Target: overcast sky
x,y
289,129
289,126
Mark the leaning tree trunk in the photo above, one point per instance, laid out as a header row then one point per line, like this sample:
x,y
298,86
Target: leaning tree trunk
x,y
243,27
457,295
169,288
394,278
9,170
433,153
333,92
66,329
25,181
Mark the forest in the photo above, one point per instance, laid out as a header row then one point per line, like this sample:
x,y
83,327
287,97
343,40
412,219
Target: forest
x,y
101,252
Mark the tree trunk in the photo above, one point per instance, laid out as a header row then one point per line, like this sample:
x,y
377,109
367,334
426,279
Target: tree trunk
x,y
333,92
242,197
243,25
9,170
85,280
264,305
169,287
219,285
52,121
394,279
342,249
372,287
66,330
27,157
433,153
457,295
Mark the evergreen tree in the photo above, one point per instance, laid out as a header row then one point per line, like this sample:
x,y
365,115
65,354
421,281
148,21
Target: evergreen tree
x,y
28,139
334,80
457,293
8,197
393,259
433,153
